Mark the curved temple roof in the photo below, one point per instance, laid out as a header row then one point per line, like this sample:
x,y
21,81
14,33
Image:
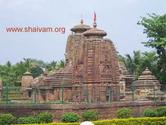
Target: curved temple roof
x,y
80,28
95,31
147,79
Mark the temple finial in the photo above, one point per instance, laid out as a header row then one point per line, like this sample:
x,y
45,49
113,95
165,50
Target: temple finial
x,y
94,20
94,24
82,21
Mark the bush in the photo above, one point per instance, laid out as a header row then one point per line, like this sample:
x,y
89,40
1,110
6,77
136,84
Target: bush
x,y
27,120
70,117
89,115
7,119
134,121
161,111
124,113
45,117
149,113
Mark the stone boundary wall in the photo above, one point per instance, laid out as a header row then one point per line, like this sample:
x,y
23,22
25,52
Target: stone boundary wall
x,y
105,110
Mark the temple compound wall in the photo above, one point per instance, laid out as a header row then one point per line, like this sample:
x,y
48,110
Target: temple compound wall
x,y
106,111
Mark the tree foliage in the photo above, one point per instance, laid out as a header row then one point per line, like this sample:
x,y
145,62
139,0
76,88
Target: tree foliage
x,y
12,73
137,62
155,29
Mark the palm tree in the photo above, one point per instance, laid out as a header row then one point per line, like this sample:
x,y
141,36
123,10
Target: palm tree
x,y
28,63
132,62
139,61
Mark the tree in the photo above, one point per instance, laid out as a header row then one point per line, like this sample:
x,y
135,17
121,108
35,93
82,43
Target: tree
x,y
150,59
155,29
137,63
133,63
36,71
28,63
11,74
34,66
51,66
61,63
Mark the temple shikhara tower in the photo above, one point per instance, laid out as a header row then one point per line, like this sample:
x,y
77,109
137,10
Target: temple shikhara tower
x,y
91,72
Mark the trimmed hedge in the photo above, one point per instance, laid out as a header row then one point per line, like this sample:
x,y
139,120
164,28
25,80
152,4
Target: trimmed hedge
x,y
134,121
129,121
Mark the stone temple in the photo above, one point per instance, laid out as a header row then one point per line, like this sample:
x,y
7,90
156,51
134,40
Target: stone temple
x,y
91,72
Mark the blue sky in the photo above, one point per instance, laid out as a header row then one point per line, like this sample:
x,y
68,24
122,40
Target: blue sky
x,y
117,17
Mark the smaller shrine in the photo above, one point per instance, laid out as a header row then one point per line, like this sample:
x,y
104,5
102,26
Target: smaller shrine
x,y
26,81
147,87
